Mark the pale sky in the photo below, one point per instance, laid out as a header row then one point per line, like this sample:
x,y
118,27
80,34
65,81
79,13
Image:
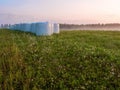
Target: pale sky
x,y
63,11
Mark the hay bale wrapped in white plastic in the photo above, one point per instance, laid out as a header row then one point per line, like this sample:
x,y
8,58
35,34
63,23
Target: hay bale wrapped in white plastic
x,y
33,28
17,26
20,26
27,27
2,26
11,27
23,26
51,26
56,28
14,27
43,29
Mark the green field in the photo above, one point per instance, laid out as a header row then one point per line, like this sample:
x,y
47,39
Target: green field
x,y
71,60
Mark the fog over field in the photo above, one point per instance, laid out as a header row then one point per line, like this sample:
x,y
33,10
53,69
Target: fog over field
x,y
111,27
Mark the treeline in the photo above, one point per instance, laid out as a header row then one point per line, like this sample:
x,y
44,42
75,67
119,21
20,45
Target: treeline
x,y
91,26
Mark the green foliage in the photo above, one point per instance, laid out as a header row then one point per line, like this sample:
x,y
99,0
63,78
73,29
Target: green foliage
x,y
70,60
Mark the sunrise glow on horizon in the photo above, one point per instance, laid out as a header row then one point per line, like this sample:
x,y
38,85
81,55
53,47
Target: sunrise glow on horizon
x,y
63,11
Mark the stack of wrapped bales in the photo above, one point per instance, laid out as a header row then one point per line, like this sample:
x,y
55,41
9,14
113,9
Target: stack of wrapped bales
x,y
39,28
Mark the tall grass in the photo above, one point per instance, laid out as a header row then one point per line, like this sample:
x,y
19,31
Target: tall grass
x,y
69,60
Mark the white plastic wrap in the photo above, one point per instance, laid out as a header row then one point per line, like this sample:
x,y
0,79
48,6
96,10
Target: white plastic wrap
x,y
56,28
43,29
39,28
27,27
33,28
